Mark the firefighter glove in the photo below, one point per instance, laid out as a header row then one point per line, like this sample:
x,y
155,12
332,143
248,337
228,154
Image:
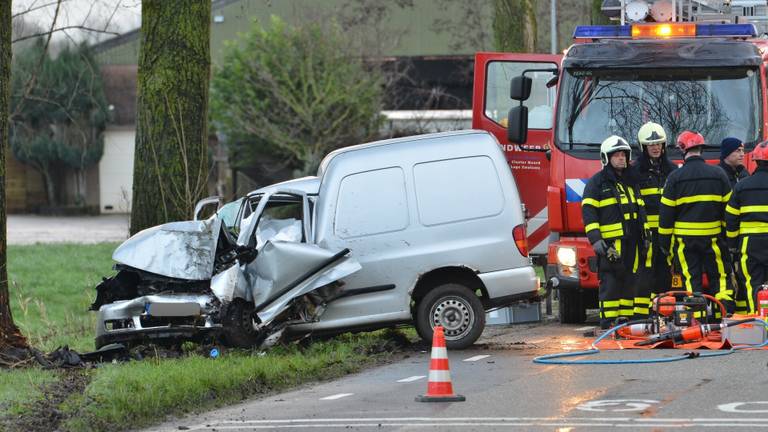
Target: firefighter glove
x,y
600,247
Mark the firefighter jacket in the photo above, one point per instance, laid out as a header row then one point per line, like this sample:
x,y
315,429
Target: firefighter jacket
x,y
735,175
611,208
649,177
747,210
693,202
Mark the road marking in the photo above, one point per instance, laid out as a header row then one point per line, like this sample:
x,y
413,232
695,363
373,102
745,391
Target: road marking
x,y
477,357
411,378
585,328
734,407
377,422
336,396
616,405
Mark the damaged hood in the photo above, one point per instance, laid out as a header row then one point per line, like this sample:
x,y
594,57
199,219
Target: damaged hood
x,y
182,250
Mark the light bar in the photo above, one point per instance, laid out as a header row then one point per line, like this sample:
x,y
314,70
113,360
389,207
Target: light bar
x,y
602,31
664,31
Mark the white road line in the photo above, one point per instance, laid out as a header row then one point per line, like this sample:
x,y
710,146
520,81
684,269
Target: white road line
x,y
379,425
336,396
477,357
627,420
585,328
411,378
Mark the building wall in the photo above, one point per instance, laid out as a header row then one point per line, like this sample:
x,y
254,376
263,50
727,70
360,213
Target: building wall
x,y
115,171
24,186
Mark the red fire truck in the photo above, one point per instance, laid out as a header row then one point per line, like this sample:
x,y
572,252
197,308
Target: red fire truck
x,y
705,77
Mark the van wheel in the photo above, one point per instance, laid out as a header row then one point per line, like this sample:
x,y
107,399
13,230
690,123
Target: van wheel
x,y
238,323
457,309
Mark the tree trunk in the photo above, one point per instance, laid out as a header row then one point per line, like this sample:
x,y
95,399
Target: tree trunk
x,y
171,163
10,336
514,26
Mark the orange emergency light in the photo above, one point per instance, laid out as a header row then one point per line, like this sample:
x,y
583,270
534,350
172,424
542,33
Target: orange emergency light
x,y
663,31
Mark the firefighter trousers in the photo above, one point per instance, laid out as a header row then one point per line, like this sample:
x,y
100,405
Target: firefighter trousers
x,y
754,266
616,291
699,255
654,277
741,298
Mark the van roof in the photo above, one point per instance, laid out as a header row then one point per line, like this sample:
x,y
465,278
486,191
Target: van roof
x,y
309,185
410,139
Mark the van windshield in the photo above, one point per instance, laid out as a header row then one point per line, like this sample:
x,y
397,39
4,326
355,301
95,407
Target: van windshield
x,y
716,102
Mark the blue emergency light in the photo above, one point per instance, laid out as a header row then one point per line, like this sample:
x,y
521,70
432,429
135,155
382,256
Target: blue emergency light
x,y
664,31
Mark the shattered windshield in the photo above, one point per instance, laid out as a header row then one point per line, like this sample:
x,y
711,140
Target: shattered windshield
x,y
716,102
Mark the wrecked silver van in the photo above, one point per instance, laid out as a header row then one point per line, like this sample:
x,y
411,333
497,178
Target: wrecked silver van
x,y
426,230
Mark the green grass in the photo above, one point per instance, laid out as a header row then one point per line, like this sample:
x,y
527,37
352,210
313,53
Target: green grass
x,y
51,288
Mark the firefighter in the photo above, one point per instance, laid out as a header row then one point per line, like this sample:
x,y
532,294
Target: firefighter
x,y
649,172
746,219
692,212
732,162
613,216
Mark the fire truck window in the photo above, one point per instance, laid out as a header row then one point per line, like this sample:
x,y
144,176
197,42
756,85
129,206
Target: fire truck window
x,y
540,104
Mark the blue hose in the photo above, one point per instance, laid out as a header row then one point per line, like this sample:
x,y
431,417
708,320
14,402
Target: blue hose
x,y
554,358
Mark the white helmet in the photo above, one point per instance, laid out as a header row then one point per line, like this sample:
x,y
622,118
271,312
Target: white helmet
x,y
611,145
651,133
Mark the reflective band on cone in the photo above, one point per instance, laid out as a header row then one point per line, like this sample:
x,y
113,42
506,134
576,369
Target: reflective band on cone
x,y
439,388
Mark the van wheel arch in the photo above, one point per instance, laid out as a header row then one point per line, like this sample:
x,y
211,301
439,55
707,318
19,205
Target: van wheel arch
x,y
444,275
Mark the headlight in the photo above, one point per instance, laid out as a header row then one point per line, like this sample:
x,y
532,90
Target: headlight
x,y
566,256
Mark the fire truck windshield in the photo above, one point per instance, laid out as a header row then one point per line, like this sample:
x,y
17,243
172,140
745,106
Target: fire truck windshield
x,y
716,102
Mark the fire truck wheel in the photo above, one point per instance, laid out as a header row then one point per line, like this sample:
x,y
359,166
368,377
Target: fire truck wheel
x,y
457,309
571,307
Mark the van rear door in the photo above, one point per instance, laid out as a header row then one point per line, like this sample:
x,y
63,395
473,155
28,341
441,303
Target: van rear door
x,y
490,105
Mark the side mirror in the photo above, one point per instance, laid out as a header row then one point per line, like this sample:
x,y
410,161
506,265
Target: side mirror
x,y
520,88
205,202
517,121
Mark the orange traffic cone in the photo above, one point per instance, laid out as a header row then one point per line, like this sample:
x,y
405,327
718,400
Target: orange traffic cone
x,y
439,388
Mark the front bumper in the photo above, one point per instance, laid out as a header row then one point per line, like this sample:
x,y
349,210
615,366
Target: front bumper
x,y
158,317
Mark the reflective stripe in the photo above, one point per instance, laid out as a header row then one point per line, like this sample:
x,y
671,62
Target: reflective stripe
x,y
747,276
609,314
642,300
697,225
697,232
650,191
754,209
610,303
626,302
732,234
753,227
724,292
439,352
627,312
653,218
640,202
628,216
695,199
731,210
665,231
684,265
667,202
617,245
596,203
697,228
592,226
636,264
641,311
727,197
649,257
439,376
611,230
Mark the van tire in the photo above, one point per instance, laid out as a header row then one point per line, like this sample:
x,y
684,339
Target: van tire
x,y
238,329
457,308
571,307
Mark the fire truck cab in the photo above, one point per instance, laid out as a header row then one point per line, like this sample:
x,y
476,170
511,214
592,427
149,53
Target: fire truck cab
x,y
551,112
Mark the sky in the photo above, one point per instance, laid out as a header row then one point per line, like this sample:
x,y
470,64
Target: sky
x,y
106,16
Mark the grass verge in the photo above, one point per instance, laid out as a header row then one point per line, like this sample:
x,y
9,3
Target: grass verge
x,y
51,289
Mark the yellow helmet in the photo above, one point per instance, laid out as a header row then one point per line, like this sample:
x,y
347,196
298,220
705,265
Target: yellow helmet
x,y
651,133
611,145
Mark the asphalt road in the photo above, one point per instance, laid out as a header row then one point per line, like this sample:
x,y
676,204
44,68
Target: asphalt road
x,y
505,390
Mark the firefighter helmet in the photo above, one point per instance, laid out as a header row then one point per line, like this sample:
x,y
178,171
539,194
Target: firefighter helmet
x,y
688,140
651,133
611,145
760,153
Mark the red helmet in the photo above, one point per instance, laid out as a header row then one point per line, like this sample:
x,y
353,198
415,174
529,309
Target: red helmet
x,y
760,152
688,140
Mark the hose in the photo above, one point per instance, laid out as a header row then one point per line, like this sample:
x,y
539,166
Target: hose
x,y
555,359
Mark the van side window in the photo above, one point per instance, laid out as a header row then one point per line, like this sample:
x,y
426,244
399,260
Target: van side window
x,y
455,190
371,202
282,219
